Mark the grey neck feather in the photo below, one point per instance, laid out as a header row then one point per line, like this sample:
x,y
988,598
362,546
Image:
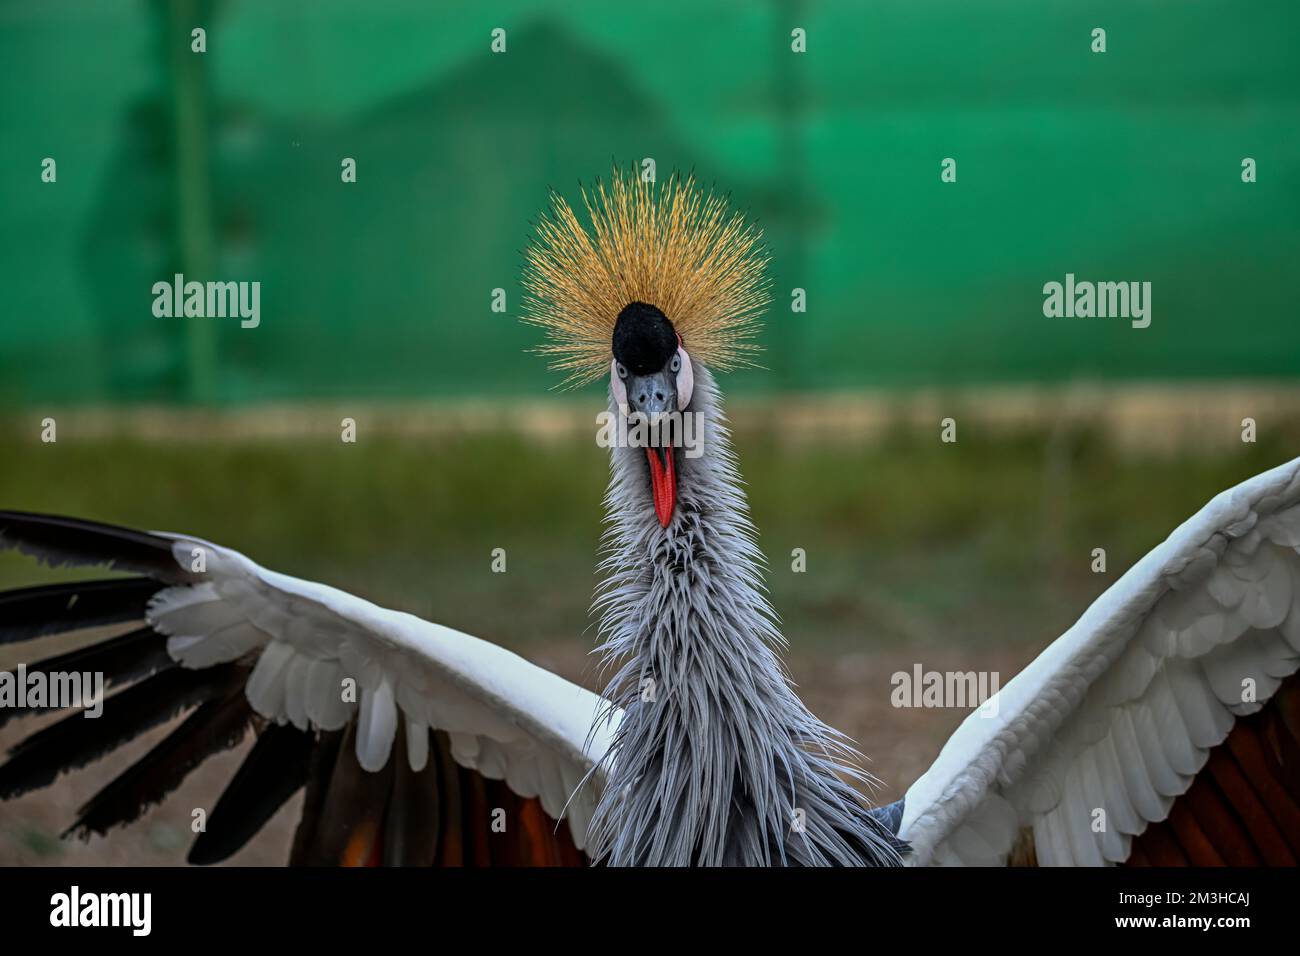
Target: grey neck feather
x,y
716,760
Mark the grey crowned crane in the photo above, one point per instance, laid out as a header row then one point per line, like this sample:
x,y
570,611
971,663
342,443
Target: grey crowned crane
x,y
1170,712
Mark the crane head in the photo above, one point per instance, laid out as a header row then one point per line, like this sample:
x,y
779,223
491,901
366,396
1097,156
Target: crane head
x,y
651,377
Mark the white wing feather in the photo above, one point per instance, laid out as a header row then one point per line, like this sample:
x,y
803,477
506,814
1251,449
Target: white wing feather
x,y
507,718
1121,711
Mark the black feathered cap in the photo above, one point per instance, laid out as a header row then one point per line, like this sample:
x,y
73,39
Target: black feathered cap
x,y
644,339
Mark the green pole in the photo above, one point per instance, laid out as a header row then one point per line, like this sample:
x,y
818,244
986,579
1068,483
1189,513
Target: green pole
x,y
791,103
193,188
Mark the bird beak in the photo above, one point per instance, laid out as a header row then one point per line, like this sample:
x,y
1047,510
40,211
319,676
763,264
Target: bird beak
x,y
654,396
663,482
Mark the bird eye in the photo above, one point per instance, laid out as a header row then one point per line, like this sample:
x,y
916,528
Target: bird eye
x,y
622,372
677,364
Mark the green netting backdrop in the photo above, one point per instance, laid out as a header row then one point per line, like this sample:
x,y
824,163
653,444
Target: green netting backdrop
x,y
226,165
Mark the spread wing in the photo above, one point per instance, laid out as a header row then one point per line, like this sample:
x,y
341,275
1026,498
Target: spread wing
x,y
1164,727
331,683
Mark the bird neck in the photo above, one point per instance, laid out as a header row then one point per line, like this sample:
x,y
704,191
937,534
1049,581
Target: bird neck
x,y
715,760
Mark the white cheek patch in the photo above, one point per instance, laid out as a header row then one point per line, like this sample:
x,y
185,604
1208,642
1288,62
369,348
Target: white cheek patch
x,y
685,380
616,385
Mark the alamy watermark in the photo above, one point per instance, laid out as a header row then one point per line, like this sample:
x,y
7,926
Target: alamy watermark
x,y
211,300
55,690
1102,300
133,911
939,689
684,430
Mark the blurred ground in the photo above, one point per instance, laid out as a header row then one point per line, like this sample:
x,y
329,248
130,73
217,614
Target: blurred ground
x,y
970,556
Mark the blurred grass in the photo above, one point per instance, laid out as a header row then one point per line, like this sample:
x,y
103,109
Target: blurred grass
x,y
986,541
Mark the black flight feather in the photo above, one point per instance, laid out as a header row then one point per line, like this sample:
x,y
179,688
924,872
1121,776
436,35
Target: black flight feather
x,y
412,821
27,613
76,740
216,725
320,771
59,541
350,803
122,660
272,772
